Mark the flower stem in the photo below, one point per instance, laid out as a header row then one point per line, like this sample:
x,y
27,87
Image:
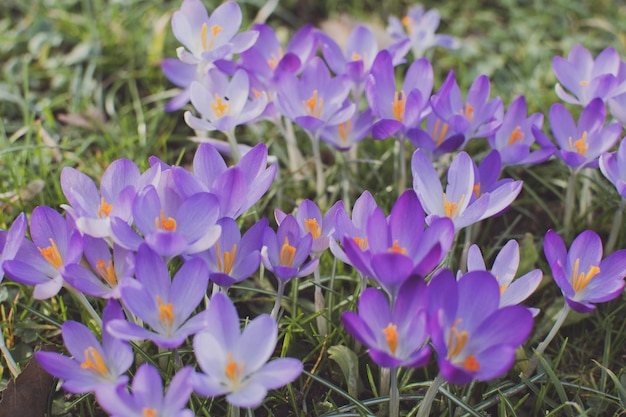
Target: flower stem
x,y
233,411
401,160
320,182
427,402
570,193
534,360
394,394
615,229
320,304
85,303
234,148
279,296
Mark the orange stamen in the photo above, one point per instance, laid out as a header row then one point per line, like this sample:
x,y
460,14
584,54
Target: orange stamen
x,y
207,44
162,223
93,361
313,106
468,112
456,340
471,364
451,209
229,259
220,107
104,209
439,136
580,280
396,248
361,241
52,254
408,23
344,130
516,136
107,272
150,412
581,144
398,105
287,253
391,334
313,227
274,60
166,313
476,189
233,369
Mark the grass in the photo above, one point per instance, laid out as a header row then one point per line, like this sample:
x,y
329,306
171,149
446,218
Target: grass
x,y
81,86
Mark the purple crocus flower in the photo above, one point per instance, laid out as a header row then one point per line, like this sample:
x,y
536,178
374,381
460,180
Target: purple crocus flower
x,y
581,273
613,167
182,75
56,243
517,135
474,340
223,104
11,241
582,143
395,335
315,100
456,202
163,304
398,110
310,220
354,228
399,247
586,78
147,399
208,38
344,135
477,117
234,258
286,251
108,270
237,188
92,210
421,26
235,362
94,364
512,291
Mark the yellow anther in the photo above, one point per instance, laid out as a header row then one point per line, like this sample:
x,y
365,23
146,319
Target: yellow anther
x,y
93,361
229,259
162,223
580,280
149,412
516,136
313,227
398,105
456,340
503,288
344,130
439,136
476,190
471,364
233,369
468,112
313,106
584,83
52,254
396,248
451,209
408,23
274,59
581,144
106,271
362,242
207,44
287,253
391,334
355,56
166,312
104,209
220,107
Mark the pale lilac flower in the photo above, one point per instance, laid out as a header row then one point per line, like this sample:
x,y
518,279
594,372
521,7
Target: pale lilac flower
x,y
208,38
613,167
233,362
163,304
474,337
94,364
512,291
11,241
580,272
582,143
420,25
182,75
515,138
147,399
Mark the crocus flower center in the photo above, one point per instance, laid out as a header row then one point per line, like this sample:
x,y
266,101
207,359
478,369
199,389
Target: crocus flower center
x,y
149,412
456,340
93,361
220,107
233,369
398,105
391,335
439,131
207,44
580,279
584,83
313,227
408,23
581,144
104,209
361,241
275,59
516,136
344,130
471,364
229,258
162,223
106,271
468,112
52,254
313,106
451,209
503,288
396,248
358,57
166,312
287,253
476,190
